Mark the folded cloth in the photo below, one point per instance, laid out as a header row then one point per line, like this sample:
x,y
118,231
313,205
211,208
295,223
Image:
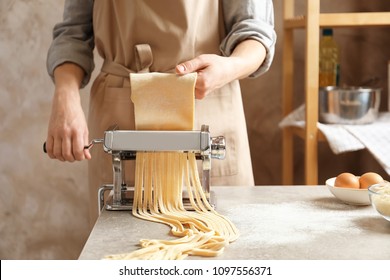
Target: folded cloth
x,y
374,137
340,139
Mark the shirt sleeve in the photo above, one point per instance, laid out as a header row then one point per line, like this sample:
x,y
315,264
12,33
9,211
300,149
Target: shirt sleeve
x,y
73,39
249,19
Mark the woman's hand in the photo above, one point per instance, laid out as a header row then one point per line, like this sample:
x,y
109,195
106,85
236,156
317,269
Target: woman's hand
x,y
68,130
215,71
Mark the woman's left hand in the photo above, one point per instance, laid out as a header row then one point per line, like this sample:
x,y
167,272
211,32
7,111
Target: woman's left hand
x,y
215,71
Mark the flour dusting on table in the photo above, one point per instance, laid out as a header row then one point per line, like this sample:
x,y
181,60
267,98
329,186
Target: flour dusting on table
x,y
291,222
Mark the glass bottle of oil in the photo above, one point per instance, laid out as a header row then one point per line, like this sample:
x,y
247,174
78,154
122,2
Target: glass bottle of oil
x,y
329,71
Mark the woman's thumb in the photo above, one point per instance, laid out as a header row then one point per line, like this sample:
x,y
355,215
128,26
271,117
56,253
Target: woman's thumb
x,y
187,66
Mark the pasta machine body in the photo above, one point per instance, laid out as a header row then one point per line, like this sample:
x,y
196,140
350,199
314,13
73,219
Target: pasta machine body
x,y
124,144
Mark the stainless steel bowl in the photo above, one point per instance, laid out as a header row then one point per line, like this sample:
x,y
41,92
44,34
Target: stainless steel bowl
x,y
348,105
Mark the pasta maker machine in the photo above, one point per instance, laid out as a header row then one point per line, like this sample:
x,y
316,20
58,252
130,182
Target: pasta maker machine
x,y
124,145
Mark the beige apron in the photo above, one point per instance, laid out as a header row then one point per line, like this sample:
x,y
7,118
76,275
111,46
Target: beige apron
x,y
155,35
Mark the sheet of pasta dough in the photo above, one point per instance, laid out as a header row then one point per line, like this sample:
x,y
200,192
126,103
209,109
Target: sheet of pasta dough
x,y
163,101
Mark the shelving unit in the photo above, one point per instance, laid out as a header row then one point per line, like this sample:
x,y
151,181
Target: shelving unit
x,y
311,22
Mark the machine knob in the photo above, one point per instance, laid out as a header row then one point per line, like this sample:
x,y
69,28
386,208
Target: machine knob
x,y
218,147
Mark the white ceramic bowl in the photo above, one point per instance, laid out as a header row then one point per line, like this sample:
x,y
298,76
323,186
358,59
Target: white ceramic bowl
x,y
380,198
348,195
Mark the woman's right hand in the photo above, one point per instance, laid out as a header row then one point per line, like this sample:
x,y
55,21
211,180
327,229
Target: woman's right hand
x,y
68,131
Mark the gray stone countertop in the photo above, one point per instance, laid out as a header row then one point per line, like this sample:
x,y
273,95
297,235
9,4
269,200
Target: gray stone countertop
x,y
275,223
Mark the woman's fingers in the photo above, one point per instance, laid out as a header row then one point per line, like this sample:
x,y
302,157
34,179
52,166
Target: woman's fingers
x,y
87,153
190,66
68,148
67,152
78,144
57,149
48,147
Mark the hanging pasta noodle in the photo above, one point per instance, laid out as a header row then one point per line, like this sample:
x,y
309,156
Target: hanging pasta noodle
x,y
160,176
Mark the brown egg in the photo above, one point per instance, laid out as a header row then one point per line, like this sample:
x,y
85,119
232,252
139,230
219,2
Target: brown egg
x,y
368,179
347,180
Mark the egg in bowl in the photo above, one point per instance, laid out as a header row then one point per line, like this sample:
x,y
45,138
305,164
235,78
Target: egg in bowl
x,y
348,195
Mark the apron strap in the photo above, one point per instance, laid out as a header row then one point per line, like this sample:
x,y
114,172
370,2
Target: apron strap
x,y
143,57
143,60
113,68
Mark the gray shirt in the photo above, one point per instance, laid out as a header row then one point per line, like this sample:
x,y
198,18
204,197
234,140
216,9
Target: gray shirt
x,y
73,38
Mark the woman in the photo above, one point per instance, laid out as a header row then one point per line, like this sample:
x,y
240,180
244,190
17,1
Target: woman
x,y
222,40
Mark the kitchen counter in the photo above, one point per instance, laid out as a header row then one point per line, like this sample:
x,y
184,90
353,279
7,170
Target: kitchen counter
x,y
275,222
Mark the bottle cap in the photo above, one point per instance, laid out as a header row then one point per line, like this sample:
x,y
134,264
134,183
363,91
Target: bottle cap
x,y
327,32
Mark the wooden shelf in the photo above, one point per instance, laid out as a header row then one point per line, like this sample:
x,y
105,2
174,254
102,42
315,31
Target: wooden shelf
x,y
300,132
311,22
342,20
